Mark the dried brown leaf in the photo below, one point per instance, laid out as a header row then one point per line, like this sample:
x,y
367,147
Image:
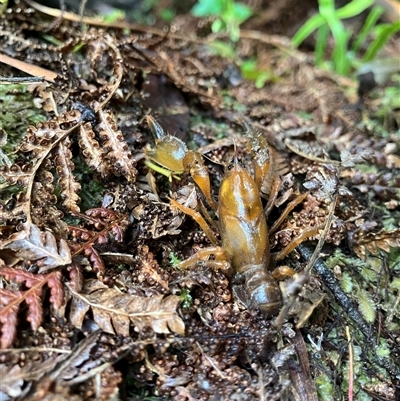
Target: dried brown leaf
x,y
11,381
113,310
8,316
95,258
37,246
324,182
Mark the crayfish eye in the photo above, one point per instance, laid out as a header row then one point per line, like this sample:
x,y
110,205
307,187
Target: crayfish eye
x,y
234,162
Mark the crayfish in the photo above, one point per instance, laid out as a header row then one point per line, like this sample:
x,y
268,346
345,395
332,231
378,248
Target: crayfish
x,y
244,251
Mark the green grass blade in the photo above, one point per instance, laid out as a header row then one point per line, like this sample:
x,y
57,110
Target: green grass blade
x,y
307,29
328,12
320,44
353,8
370,22
380,41
349,10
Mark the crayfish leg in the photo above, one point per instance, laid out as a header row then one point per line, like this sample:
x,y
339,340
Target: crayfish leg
x,y
199,220
276,184
161,170
295,242
296,201
282,272
220,261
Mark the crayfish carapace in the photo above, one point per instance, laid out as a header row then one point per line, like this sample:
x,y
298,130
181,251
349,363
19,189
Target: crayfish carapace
x,y
244,251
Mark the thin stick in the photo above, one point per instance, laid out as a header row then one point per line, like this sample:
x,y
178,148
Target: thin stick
x,y
351,369
21,80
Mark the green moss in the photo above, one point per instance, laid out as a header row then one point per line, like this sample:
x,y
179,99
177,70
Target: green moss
x,y
17,113
186,298
173,259
91,193
324,387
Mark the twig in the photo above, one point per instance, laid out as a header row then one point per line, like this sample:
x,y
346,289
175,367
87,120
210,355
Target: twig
x,y
28,68
21,80
37,349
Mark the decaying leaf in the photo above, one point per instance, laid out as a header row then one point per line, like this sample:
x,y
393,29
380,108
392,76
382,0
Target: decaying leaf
x,y
350,160
11,382
113,310
31,154
37,246
310,150
324,182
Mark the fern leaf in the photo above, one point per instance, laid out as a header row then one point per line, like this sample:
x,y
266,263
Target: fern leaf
x,y
113,310
92,151
374,242
8,317
11,299
150,266
69,186
366,305
95,258
36,147
118,155
41,247
346,283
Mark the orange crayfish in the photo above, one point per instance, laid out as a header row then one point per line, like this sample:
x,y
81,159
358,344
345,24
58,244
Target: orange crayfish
x,y
244,250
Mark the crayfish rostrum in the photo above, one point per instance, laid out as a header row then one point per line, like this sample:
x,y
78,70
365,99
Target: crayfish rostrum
x,y
244,251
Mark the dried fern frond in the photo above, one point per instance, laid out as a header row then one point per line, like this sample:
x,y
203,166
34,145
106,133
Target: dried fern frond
x,y
374,242
117,154
64,167
36,147
43,198
11,299
106,228
113,310
115,223
151,268
92,152
95,259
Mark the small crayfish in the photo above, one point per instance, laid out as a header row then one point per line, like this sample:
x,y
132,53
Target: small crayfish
x,y
242,223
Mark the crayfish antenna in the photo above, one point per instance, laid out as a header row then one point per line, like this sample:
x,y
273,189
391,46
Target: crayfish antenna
x,y
155,127
235,157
